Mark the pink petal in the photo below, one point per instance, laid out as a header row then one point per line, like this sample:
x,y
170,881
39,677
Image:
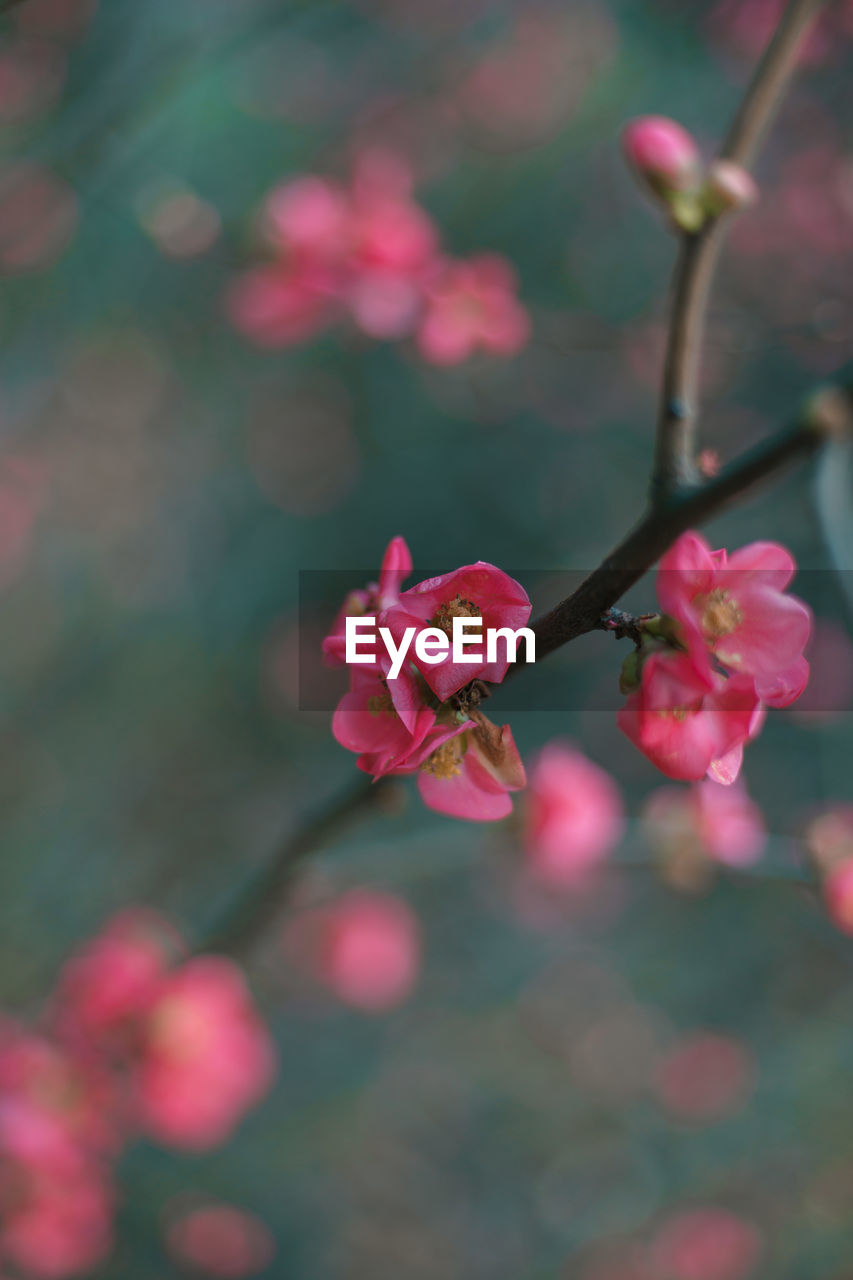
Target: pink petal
x,y
472,794
726,769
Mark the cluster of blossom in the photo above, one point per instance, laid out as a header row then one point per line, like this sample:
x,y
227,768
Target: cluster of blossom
x,y
369,253
134,1042
466,765
667,162
728,644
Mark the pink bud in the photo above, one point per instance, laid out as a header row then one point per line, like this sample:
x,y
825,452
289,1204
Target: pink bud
x,y
729,187
662,153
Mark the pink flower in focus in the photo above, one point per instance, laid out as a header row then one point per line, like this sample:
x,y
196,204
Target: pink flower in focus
x,y
574,814
476,590
686,718
706,1244
470,774
662,153
370,600
221,1240
370,950
470,306
387,739
736,605
205,1056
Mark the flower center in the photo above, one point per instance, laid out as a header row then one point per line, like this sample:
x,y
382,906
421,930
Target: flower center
x,y
446,760
379,702
720,614
455,608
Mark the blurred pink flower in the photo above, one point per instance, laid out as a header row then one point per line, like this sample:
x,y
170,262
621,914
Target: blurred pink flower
x,y
472,305
662,153
706,1244
574,815
838,895
221,1240
205,1055
370,949
704,1076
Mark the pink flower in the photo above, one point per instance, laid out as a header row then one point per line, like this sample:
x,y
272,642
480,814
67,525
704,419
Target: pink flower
x,y
309,217
388,740
205,1056
712,821
370,600
221,1240
838,894
475,591
370,950
736,606
687,718
282,304
706,1244
470,774
662,153
704,1077
574,814
114,978
472,306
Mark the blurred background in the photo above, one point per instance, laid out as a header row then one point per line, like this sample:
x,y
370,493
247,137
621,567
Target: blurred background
x,y
570,1073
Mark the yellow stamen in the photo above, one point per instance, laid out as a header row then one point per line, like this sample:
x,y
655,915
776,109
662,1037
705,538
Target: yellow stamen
x,y
455,608
720,614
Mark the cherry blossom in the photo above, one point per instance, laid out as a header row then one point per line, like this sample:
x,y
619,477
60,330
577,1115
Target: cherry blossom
x,y
573,815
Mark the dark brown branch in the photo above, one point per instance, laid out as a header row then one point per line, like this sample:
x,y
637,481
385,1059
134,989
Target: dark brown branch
x,y
263,898
675,441
662,524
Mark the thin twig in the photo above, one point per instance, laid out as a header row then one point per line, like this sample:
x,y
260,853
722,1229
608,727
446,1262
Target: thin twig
x,y
675,441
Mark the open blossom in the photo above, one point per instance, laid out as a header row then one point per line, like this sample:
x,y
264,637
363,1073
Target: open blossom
x,y
686,718
369,952
470,306
471,774
720,823
734,645
574,814
477,590
736,606
205,1055
367,251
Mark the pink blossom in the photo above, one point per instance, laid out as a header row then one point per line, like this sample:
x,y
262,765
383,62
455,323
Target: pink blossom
x,y
221,1240
470,774
308,218
736,605
662,153
707,1244
472,306
114,978
205,1056
838,894
282,304
370,600
475,591
370,950
388,724
574,814
704,1077
686,718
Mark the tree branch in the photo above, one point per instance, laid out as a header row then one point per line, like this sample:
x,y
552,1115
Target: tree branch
x,y
675,440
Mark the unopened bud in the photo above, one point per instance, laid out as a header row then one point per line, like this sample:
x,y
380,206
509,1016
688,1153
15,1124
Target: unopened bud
x,y
662,153
728,186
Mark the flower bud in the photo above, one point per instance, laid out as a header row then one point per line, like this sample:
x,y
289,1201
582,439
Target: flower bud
x,y
663,154
728,186
630,674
